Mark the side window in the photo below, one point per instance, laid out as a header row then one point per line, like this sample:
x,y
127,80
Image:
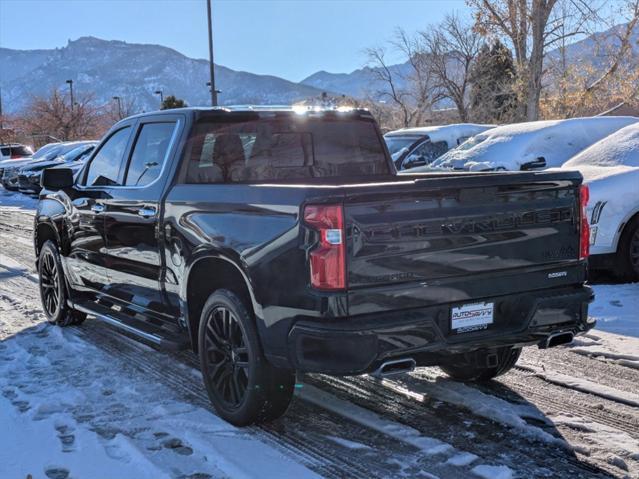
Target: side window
x,y
105,166
149,153
425,154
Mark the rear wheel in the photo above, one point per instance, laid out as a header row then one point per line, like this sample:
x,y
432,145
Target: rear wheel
x,y
628,252
243,387
53,292
474,367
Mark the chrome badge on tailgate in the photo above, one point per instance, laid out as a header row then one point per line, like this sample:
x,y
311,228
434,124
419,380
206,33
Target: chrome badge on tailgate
x,y
472,317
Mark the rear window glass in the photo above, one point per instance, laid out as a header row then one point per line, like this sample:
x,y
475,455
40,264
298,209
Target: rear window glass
x,y
280,149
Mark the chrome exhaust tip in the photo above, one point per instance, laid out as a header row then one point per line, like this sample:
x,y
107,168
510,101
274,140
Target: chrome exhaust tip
x,y
394,367
556,340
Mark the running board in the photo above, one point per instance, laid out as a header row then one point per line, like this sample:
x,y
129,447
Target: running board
x,y
134,327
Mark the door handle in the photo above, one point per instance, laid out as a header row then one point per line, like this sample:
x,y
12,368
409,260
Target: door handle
x,y
97,208
146,212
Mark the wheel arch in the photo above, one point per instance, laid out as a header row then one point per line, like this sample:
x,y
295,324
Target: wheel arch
x,y
623,230
200,283
45,231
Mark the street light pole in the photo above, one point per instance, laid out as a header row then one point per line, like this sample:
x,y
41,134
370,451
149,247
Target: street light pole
x,y
1,121
161,93
211,64
70,82
117,98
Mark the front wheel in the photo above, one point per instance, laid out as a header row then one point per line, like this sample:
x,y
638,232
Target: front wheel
x,y
243,387
475,367
53,291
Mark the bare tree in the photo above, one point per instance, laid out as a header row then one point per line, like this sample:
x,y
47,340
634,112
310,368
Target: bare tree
x,y
587,85
408,88
532,28
451,48
56,117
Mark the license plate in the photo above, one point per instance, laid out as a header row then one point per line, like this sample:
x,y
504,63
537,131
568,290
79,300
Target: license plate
x,y
471,317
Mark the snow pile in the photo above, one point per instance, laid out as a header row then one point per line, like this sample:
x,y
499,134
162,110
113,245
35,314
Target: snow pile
x,y
479,403
622,350
509,147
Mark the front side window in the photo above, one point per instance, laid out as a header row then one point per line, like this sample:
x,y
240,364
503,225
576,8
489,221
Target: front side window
x,y
149,153
105,166
425,154
281,149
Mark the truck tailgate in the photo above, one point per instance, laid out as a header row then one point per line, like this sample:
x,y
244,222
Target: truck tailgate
x,y
433,240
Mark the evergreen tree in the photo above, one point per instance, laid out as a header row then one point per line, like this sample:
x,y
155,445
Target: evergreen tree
x,y
493,98
171,102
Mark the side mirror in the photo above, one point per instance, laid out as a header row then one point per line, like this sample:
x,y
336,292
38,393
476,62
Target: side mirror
x,y
57,178
536,164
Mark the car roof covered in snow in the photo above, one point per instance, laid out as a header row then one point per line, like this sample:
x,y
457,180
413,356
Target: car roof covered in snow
x,y
510,146
448,133
615,154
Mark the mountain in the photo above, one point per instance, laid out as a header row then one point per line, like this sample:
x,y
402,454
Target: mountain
x,y
133,71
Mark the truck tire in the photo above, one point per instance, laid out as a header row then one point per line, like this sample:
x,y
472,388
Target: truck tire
x,y
627,260
243,387
53,290
475,369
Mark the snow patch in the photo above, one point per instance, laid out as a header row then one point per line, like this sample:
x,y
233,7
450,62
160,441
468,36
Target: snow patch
x,y
407,434
492,472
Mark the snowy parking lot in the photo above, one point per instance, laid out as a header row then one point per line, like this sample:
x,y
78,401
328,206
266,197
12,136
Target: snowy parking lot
x,y
88,402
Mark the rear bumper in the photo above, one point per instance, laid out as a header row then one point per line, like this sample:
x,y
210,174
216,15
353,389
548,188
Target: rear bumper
x,y
360,344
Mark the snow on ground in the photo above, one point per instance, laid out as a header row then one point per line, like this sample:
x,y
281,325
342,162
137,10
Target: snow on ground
x,y
608,347
616,308
94,421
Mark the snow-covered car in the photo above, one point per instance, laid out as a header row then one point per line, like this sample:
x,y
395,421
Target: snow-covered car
x,y
29,175
611,170
531,145
9,169
412,147
14,151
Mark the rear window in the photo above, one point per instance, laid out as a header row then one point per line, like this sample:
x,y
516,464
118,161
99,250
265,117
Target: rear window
x,y
281,149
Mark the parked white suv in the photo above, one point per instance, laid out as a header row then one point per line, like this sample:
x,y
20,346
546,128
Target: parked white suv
x,y
610,168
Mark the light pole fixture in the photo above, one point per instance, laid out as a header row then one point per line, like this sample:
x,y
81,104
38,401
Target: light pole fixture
x,y
161,93
217,92
211,64
70,83
117,98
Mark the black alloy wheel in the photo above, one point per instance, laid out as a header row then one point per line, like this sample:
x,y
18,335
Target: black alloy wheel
x,y
53,290
243,386
50,284
227,354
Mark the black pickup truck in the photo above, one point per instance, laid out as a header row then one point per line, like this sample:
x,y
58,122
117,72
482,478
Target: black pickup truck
x,y
275,241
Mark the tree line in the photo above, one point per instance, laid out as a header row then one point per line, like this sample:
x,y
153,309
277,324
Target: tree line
x,y
54,118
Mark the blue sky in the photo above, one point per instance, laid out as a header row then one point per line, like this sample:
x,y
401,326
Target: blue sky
x,y
291,39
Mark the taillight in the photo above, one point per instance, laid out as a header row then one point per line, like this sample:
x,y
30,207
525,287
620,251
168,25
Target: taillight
x,y
328,259
584,233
